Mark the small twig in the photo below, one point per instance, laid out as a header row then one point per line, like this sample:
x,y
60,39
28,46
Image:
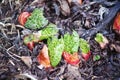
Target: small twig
x,y
20,26
94,77
18,37
4,33
1,23
12,54
27,75
3,1
12,62
91,3
13,27
6,19
10,5
8,24
0,11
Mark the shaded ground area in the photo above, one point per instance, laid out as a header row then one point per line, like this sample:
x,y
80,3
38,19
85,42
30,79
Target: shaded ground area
x,y
87,19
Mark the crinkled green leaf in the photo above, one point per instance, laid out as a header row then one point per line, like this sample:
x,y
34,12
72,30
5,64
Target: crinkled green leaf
x,y
71,42
28,38
36,20
55,47
84,46
99,37
49,31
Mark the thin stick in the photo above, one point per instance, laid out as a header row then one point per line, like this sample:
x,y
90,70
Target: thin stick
x,y
12,54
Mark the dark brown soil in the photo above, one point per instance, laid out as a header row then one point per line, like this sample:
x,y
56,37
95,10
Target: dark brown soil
x,y
84,18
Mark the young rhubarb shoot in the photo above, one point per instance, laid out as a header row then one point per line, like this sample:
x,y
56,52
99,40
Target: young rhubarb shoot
x,y
29,41
116,24
36,20
96,57
72,59
23,18
102,40
71,44
49,31
55,47
85,49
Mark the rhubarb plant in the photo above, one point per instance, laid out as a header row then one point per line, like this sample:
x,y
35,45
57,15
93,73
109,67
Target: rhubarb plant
x,y
71,42
49,31
45,33
102,40
55,47
36,20
99,37
85,49
29,41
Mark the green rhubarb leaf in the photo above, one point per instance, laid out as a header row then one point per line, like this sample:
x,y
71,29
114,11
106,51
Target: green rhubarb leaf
x,y
36,20
49,31
28,39
99,37
84,46
55,47
71,42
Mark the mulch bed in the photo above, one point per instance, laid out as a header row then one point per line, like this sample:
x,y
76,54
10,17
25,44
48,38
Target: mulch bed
x,y
87,19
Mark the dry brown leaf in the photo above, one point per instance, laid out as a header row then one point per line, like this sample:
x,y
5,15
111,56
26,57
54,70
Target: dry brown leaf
x,y
65,9
27,60
116,47
78,1
73,72
43,57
